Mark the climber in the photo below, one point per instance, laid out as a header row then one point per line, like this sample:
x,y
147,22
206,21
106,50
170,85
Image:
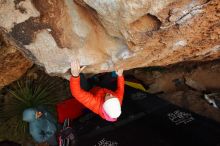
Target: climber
x,y
104,102
42,125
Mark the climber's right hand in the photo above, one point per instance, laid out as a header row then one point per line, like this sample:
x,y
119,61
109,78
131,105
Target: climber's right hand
x,y
75,68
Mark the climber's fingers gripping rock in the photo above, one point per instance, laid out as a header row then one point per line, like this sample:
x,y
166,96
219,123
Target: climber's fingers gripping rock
x,y
75,68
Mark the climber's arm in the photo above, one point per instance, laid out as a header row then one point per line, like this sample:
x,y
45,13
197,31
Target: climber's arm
x,y
84,97
120,85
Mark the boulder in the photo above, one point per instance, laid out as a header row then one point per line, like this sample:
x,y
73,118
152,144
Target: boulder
x,y
106,34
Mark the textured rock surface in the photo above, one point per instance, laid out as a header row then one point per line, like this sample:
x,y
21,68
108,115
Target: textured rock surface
x,y
197,76
184,85
108,33
12,63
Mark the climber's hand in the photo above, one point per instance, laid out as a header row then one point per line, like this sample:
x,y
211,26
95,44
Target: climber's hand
x,y
75,68
119,71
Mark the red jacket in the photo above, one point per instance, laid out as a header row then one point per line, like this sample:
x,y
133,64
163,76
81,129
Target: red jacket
x,y
94,99
69,108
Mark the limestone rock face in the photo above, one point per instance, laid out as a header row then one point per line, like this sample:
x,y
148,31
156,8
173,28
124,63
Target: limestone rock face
x,y
105,34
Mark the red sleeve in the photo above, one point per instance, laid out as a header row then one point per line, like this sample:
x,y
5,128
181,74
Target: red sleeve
x,y
120,88
84,97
